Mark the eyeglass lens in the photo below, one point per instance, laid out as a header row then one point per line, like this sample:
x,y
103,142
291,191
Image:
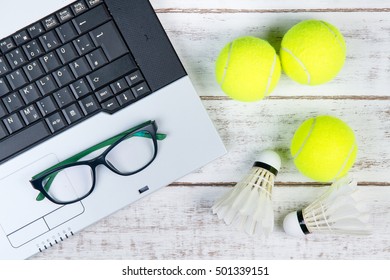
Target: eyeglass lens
x,y
74,183
131,154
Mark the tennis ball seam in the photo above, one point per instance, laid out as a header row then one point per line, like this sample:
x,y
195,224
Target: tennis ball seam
x,y
345,161
334,34
300,63
306,139
270,76
227,64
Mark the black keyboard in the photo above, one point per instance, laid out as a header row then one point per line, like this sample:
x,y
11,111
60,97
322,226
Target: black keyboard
x,y
62,70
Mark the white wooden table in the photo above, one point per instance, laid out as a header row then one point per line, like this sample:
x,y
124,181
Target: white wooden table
x,y
176,222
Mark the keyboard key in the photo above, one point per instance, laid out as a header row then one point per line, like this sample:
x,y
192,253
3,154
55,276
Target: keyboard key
x,y
3,87
4,68
72,113
34,70
30,114
104,94
93,3
65,15
21,37
30,93
125,97
46,106
108,37
119,86
32,49
111,72
13,102
3,112
23,140
16,58
13,123
80,67
67,53
89,105
84,44
7,45
110,105
97,59
36,30
49,41
55,122
63,97
3,132
66,32
80,88
63,76
50,62
134,78
50,22
17,79
140,90
91,19
46,85
79,7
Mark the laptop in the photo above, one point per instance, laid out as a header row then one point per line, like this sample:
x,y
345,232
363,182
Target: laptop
x,y
73,74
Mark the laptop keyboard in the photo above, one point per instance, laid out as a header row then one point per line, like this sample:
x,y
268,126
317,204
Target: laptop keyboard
x,y
62,70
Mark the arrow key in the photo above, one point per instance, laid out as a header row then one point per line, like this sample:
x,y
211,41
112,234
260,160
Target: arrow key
x,y
110,105
140,90
125,97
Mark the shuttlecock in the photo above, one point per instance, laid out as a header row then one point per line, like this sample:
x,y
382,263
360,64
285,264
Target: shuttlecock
x,y
248,205
339,210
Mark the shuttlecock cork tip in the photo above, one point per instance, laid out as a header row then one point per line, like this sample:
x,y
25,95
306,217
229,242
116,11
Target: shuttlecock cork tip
x,y
292,225
271,159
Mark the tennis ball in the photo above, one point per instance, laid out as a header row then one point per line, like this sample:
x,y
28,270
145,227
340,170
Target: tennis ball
x,y
248,69
312,52
324,148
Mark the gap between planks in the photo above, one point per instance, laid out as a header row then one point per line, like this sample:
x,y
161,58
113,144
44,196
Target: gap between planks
x,y
277,184
273,11
309,97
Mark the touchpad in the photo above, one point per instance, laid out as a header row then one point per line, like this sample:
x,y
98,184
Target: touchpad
x,y
22,217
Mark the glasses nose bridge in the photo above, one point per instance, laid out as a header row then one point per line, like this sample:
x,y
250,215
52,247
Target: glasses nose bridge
x,y
100,160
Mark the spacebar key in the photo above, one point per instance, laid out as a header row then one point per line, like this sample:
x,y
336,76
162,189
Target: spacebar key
x,y
22,140
111,72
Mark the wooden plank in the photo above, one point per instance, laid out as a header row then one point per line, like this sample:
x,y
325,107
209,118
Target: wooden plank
x,y
198,38
177,223
248,128
266,5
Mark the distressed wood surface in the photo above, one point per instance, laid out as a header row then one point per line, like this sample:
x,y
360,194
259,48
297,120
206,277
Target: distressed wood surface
x,y
199,38
176,222
278,5
248,128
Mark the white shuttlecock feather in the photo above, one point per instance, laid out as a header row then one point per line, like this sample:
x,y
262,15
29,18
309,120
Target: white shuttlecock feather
x,y
339,210
248,206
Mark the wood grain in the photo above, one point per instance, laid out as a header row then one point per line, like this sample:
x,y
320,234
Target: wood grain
x,y
248,128
279,5
177,223
366,71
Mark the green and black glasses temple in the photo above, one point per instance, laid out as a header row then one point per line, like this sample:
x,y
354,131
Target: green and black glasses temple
x,y
146,130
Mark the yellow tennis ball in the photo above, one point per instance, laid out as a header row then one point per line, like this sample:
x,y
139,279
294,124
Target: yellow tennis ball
x,y
312,52
324,148
248,69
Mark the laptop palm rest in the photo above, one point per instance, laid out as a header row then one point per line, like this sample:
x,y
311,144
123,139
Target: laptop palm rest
x,y
30,218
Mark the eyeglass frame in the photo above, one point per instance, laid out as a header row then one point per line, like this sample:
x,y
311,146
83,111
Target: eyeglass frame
x,y
149,127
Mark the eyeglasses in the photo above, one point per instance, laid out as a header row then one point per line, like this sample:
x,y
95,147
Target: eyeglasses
x,y
126,154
